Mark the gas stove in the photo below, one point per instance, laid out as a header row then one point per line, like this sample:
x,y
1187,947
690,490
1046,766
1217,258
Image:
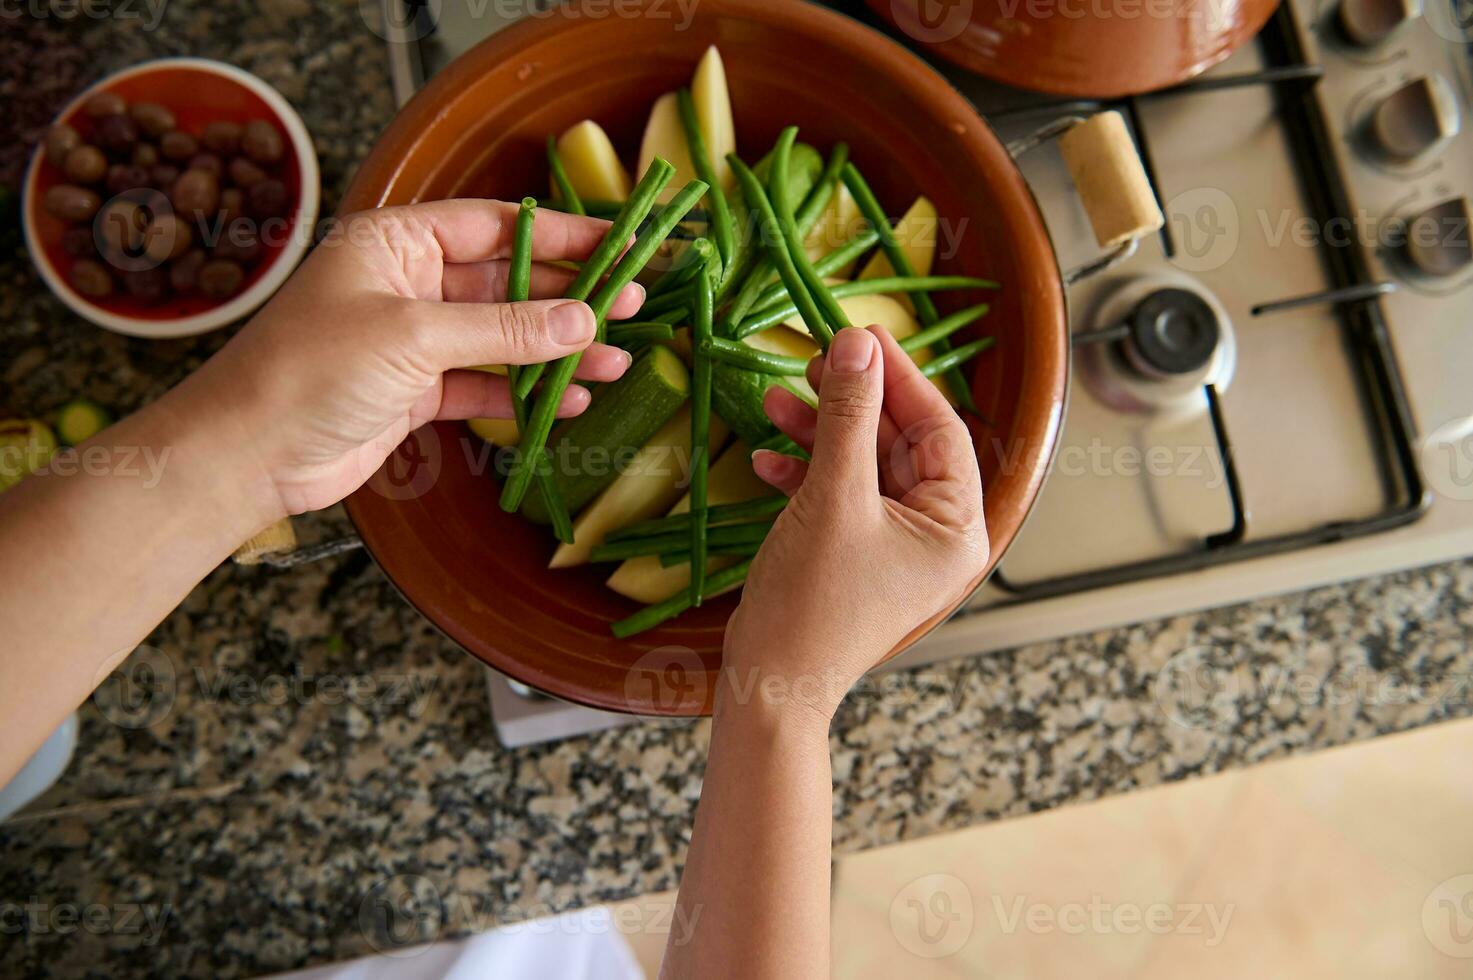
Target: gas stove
x,y
1273,393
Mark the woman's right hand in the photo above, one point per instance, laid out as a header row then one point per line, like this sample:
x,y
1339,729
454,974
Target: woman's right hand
x,y
884,531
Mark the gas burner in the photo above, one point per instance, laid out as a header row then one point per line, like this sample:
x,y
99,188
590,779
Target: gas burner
x,y
1172,332
1158,342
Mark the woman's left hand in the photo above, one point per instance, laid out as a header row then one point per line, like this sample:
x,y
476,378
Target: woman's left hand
x,y
374,335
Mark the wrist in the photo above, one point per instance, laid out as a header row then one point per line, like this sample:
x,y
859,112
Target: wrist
x,y
750,696
214,441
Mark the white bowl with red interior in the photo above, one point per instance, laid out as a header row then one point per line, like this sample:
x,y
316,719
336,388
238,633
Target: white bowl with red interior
x,y
197,92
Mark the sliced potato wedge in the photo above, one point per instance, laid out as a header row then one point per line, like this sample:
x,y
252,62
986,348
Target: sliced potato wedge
x,y
731,480
789,343
915,232
713,108
665,137
498,432
646,488
592,165
839,222
864,311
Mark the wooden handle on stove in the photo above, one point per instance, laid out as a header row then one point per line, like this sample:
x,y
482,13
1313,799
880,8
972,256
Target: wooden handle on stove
x,y
1111,179
278,538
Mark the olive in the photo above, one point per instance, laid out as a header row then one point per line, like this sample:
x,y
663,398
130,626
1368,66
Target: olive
x,y
71,203
196,191
152,118
175,145
261,142
61,139
240,243
120,227
163,176
221,137
244,173
145,155
219,278
232,205
105,104
166,237
149,285
123,177
207,161
85,164
91,278
268,199
77,242
115,134
184,270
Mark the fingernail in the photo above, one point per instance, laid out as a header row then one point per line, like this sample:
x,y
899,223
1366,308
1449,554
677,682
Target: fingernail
x,y
851,351
638,290
570,323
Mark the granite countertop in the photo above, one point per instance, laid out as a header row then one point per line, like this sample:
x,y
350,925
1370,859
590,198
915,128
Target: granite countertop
x,y
293,752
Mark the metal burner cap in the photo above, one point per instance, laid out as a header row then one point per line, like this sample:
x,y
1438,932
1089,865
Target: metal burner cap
x,y
1173,331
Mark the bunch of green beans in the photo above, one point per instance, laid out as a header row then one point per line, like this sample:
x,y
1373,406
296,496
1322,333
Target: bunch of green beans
x,y
782,310
651,616
544,410
777,250
808,214
900,263
745,510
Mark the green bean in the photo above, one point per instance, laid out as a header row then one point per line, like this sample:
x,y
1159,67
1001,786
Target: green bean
x,y
700,422
721,223
738,354
672,280
870,208
544,412
772,238
771,316
610,209
658,544
834,317
518,288
672,558
944,328
560,178
641,252
744,510
639,332
629,219
955,357
808,214
519,278
827,265
674,300
651,616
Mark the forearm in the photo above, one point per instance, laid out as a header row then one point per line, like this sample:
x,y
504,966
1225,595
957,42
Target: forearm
x,y
98,548
754,899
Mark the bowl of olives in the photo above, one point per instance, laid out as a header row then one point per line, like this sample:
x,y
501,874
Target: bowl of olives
x,y
171,198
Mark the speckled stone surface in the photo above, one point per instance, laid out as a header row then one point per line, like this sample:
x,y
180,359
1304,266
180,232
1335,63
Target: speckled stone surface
x,y
297,768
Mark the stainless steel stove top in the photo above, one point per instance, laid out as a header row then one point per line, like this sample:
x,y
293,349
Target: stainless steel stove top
x,y
1317,192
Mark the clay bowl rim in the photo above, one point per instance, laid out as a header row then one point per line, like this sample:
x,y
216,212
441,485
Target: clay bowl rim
x,y
380,172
